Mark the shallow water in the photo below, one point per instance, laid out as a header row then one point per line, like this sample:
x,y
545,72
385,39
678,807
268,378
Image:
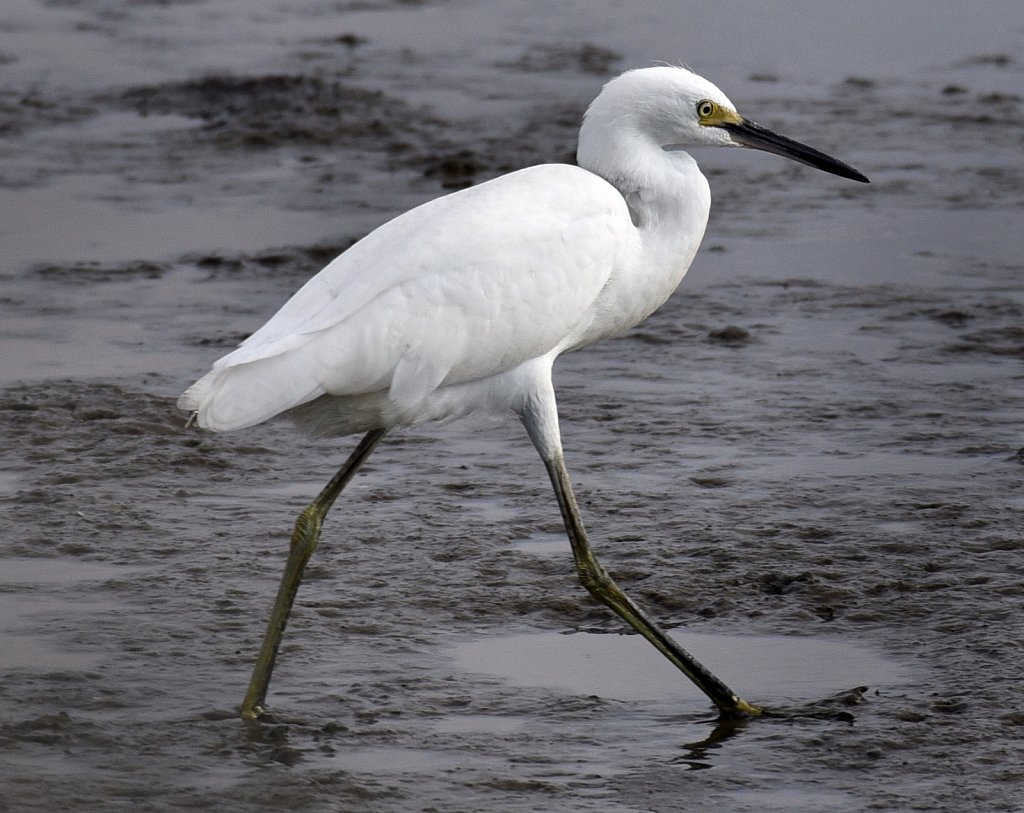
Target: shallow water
x,y
829,496
626,667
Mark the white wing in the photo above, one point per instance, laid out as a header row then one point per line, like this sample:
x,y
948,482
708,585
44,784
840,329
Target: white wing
x,y
461,288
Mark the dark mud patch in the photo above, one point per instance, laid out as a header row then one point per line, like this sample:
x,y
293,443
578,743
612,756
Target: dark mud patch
x,y
260,112
548,135
25,110
320,118
987,60
732,335
586,58
90,273
292,265
1006,341
293,262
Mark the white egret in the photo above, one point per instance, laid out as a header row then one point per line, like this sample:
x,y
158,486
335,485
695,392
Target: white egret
x,y
463,304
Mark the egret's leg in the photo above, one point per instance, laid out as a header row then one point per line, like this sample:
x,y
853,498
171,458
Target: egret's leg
x,y
596,579
303,543
541,420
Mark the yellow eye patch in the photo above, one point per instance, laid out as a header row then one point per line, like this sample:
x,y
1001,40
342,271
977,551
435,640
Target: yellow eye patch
x,y
712,114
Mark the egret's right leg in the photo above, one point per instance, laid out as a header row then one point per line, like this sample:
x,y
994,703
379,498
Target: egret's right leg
x,y
303,542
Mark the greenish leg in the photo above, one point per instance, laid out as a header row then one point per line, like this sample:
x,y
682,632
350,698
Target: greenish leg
x,y
596,579
303,542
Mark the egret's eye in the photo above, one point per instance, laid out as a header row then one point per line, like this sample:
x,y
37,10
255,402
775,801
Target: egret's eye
x,y
706,108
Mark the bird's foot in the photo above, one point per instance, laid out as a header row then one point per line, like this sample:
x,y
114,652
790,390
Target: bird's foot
x,y
253,712
740,709
835,707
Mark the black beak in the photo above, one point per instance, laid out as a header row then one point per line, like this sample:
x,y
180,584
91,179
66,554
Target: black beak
x,y
754,135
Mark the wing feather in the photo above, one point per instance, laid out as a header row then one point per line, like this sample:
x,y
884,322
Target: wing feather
x,y
461,288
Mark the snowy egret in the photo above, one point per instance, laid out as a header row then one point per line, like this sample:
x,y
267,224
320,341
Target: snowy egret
x,y
462,305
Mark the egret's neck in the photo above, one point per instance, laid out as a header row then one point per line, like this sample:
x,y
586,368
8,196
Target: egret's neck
x,y
668,196
661,187
668,200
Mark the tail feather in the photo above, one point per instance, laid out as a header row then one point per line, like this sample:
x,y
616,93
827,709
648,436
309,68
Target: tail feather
x,y
244,395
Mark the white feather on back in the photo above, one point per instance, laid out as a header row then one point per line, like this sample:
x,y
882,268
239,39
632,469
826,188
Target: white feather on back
x,y
417,304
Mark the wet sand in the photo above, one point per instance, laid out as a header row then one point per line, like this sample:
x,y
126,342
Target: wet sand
x,y
809,462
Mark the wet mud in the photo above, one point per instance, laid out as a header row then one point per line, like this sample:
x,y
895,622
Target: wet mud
x,y
817,440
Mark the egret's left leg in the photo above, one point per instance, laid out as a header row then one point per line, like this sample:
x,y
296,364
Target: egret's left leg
x,y
595,578
540,416
303,542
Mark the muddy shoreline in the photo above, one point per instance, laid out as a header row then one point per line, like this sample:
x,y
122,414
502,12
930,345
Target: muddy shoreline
x,y
818,437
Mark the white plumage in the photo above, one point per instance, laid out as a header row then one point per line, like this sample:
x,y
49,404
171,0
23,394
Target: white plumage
x,y
460,289
463,304
472,285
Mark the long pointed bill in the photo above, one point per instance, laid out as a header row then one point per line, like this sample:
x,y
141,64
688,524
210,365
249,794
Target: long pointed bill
x,y
757,137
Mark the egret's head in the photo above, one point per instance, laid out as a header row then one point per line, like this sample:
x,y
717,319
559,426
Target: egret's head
x,y
666,106
674,108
